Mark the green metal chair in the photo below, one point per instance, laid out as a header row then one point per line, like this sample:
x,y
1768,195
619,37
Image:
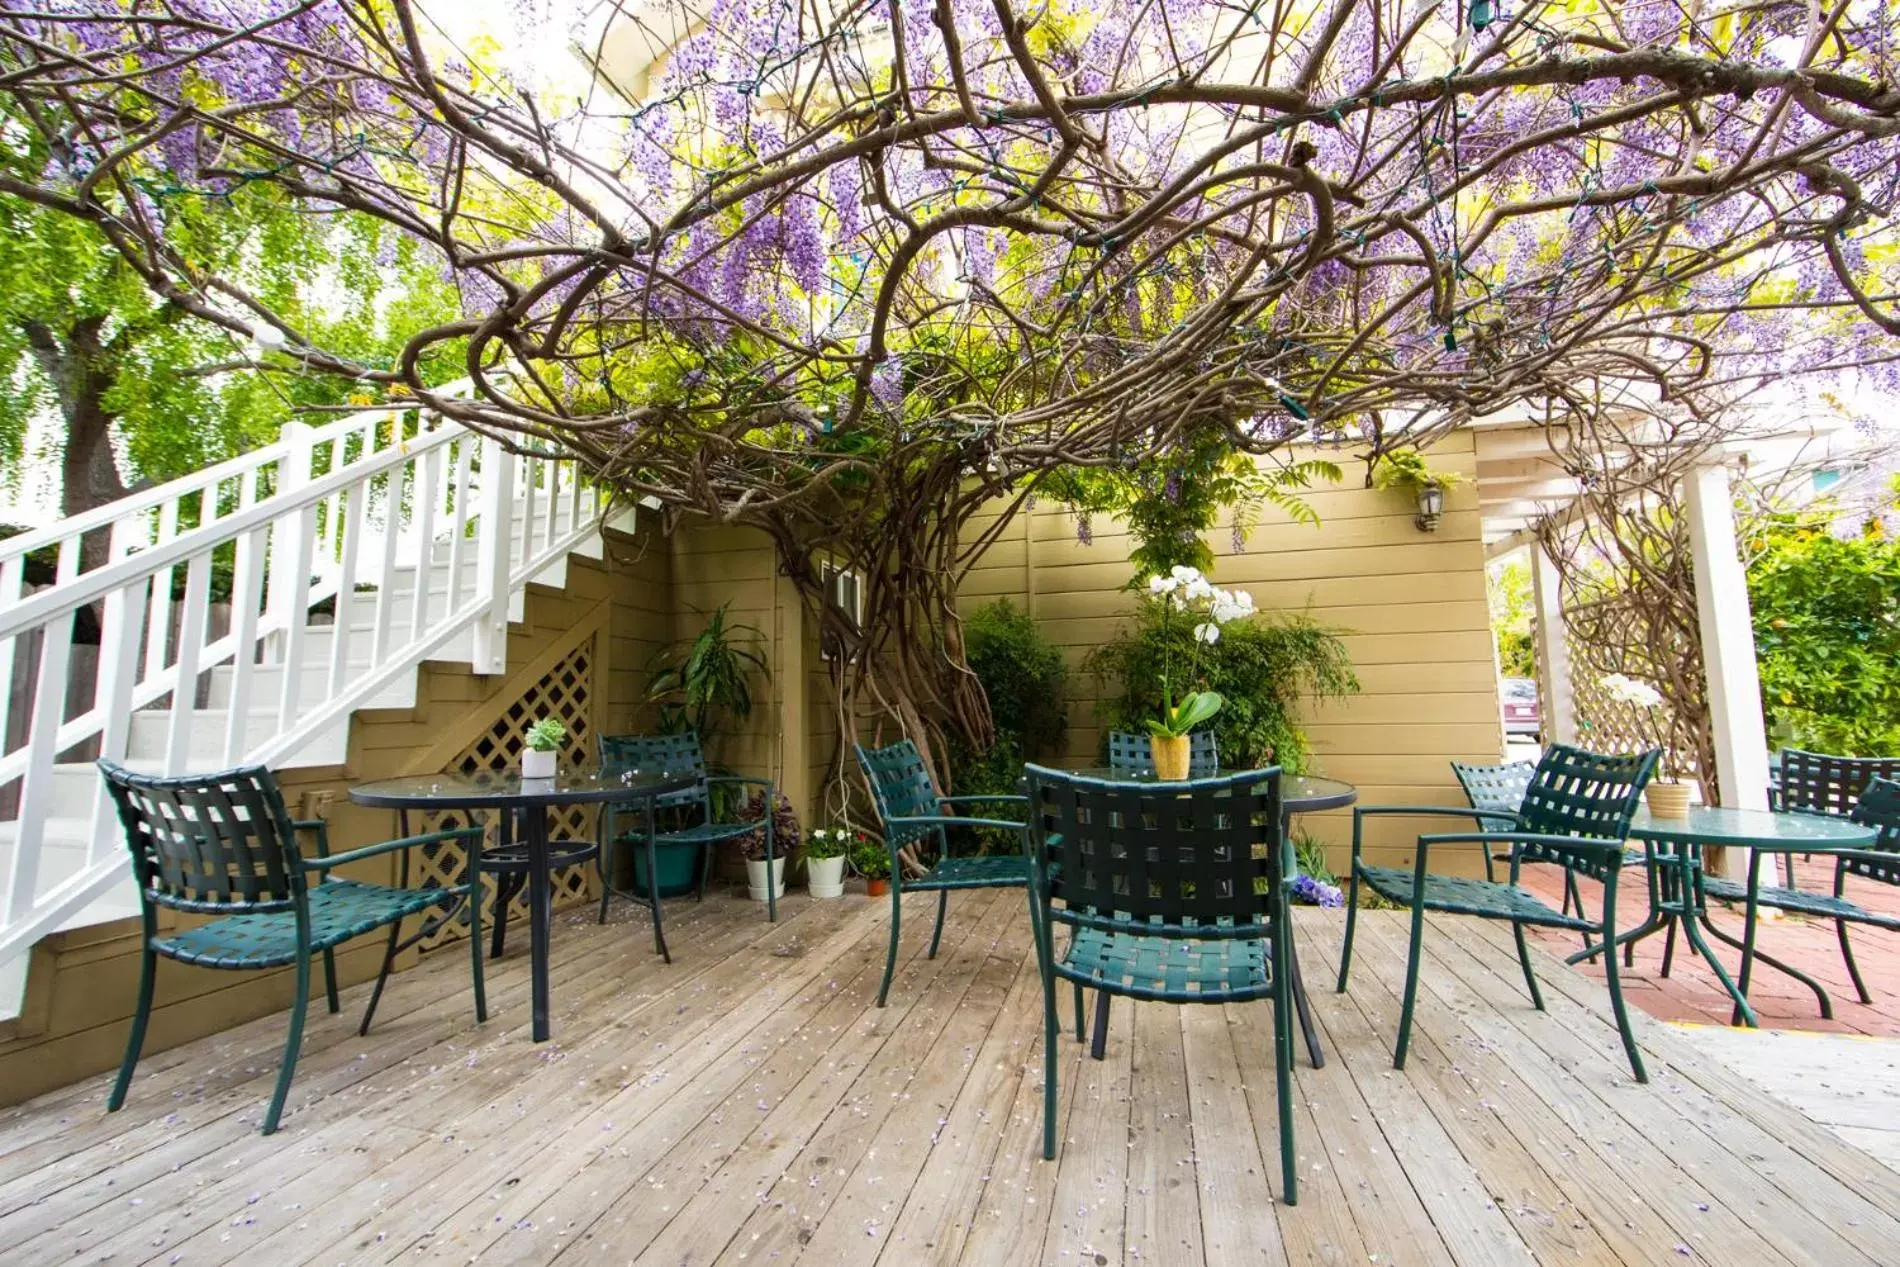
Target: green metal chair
x,y
914,813
1805,782
690,810
1877,806
224,845
1575,813
1174,893
1131,752
1502,788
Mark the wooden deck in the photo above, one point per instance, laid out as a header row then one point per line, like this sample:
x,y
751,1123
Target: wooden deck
x,y
749,1105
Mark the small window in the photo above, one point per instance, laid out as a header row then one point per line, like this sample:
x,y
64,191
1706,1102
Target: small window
x,y
844,600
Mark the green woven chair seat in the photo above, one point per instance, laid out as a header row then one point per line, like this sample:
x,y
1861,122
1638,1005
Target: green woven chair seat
x,y
998,871
1801,901
1170,969
339,910
1463,895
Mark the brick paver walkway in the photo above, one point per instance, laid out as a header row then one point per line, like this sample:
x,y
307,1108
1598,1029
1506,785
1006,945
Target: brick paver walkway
x,y
1691,992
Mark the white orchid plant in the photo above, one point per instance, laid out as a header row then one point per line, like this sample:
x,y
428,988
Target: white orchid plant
x,y
1640,694
1185,593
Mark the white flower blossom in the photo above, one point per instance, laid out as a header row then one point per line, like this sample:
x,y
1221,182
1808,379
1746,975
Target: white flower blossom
x,y
1162,585
1207,632
1629,690
1183,575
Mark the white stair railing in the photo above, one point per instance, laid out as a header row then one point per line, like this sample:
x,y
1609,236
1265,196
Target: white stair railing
x,y
357,516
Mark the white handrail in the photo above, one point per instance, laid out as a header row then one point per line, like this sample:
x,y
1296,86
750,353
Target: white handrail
x,y
423,512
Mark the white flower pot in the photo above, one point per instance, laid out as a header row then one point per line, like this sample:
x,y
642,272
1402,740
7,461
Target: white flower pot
x,y
538,765
755,875
825,876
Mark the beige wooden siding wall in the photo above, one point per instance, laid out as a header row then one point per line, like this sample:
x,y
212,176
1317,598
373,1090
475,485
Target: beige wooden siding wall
x,y
1413,603
81,984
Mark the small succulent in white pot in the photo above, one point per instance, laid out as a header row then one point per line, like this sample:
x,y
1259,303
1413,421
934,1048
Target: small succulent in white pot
x,y
542,750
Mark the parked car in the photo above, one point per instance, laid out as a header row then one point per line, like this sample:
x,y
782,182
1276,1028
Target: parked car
x,y
1522,714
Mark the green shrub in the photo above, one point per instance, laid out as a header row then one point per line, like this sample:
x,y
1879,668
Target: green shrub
x,y
1827,635
1261,667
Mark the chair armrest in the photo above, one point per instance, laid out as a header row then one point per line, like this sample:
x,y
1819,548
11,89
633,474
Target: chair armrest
x,y
999,798
1587,845
1459,811
319,826
953,820
391,846
738,778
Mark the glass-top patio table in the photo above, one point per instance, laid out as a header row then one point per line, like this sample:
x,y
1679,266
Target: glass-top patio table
x,y
1299,794
528,800
1673,848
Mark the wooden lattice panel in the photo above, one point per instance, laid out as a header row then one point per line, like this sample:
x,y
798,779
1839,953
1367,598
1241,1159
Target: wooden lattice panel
x,y
1606,724
566,693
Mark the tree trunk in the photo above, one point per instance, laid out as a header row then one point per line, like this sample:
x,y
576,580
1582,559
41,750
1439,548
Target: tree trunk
x,y
82,371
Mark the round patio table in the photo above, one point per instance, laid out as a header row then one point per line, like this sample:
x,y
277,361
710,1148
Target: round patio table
x,y
1299,794
1673,848
528,800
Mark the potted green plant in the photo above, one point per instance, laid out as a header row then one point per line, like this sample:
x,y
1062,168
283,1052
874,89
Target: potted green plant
x,y
765,876
1185,594
870,859
825,851
542,748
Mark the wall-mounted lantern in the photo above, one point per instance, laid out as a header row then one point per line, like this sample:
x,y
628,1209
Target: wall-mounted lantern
x,y
1431,504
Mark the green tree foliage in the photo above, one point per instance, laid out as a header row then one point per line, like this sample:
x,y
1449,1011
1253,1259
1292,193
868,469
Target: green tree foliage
x,y
1262,668
1508,590
1172,498
133,378
1024,677
1827,634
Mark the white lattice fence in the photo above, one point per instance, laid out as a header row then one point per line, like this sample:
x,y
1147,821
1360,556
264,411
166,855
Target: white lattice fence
x,y
565,692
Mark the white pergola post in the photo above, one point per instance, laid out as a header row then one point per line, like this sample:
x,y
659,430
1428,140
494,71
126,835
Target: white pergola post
x,y
1728,648
1553,651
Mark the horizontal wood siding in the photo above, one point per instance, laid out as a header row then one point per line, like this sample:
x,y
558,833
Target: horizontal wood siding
x,y
1411,607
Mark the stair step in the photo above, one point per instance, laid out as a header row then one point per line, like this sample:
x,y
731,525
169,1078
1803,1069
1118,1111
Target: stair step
x,y
150,736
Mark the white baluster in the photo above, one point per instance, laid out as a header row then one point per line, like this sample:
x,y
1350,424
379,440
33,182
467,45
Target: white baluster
x,y
386,570
118,668
191,641
490,654
356,505
428,493
288,607
554,503
36,791
158,623
458,536
530,476
247,590
12,582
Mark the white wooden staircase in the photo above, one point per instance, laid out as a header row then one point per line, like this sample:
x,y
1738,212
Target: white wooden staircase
x,y
354,552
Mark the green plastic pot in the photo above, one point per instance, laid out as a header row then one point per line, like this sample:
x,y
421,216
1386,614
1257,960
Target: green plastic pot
x,y
677,862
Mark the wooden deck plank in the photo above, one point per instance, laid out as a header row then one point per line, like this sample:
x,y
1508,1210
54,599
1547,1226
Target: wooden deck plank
x,y
1090,1204
463,1105
1607,1176
601,1095
149,1147
836,1211
1512,1135
1239,1221
842,1070
1729,1161
1164,1208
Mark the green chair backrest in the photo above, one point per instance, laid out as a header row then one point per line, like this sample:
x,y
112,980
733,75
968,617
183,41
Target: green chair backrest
x,y
901,787
1202,859
1575,792
1879,807
668,754
211,843
1131,752
1499,787
1820,783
